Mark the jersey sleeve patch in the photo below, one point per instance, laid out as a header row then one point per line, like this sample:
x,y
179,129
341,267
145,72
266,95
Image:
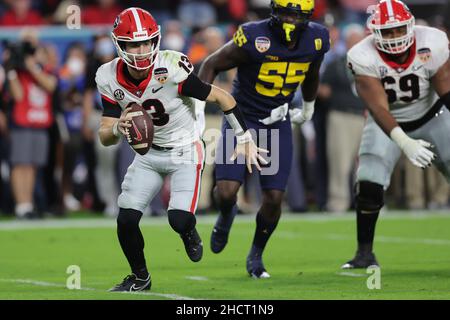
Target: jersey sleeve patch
x,y
439,53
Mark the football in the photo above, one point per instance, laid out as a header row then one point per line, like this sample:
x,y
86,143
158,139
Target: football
x,y
140,134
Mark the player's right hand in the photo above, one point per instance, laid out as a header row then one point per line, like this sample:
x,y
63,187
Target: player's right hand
x,y
247,147
122,125
418,153
416,150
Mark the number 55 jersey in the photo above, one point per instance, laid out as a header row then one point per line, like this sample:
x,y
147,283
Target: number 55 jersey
x,y
159,94
273,72
408,86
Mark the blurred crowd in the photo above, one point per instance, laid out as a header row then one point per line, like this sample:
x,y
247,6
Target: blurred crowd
x,y
53,163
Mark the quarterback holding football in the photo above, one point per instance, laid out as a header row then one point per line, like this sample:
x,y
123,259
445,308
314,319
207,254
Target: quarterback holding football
x,y
402,73
160,83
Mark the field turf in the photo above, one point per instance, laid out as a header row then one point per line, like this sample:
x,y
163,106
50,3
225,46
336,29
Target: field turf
x,y
303,257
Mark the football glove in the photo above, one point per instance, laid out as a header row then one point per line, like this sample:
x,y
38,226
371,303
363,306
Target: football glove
x,y
415,150
300,116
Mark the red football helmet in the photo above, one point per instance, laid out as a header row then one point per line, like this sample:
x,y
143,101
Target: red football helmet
x,y
135,25
390,14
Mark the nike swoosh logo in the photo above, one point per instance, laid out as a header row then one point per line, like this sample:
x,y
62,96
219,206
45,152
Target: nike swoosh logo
x,y
135,288
415,68
155,91
138,134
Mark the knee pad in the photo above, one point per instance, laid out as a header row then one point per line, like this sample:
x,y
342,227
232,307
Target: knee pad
x,y
181,221
369,196
128,219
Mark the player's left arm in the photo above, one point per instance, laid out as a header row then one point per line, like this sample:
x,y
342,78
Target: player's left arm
x,y
309,91
441,83
195,88
311,82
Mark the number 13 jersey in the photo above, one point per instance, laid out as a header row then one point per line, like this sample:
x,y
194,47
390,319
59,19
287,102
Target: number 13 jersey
x,y
159,94
408,86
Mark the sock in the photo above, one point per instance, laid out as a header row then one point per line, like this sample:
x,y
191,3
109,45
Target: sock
x,y
264,229
226,216
366,229
181,221
23,208
132,241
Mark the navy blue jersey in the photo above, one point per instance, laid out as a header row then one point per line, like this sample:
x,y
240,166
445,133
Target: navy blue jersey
x,y
274,72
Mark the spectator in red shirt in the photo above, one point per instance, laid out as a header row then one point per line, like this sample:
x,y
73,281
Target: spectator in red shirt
x,y
21,14
104,12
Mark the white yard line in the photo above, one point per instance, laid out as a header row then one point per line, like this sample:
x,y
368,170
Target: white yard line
x,y
58,285
197,278
351,274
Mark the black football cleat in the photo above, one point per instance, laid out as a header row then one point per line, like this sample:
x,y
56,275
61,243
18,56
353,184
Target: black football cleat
x,y
361,261
219,239
255,267
193,245
131,283
219,235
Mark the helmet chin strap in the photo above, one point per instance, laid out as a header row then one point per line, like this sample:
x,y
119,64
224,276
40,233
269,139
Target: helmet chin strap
x,y
288,29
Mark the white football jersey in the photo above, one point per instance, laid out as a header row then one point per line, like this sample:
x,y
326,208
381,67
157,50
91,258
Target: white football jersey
x,y
408,87
172,114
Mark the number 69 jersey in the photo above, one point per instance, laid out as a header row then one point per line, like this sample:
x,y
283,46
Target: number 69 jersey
x,y
159,94
408,86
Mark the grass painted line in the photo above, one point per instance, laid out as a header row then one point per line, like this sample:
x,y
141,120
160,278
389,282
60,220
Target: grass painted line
x,y
197,278
58,285
352,274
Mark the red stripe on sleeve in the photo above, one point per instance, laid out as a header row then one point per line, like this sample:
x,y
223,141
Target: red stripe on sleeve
x,y
180,87
109,99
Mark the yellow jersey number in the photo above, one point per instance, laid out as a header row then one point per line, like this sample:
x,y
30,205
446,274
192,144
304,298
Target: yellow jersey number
x,y
277,74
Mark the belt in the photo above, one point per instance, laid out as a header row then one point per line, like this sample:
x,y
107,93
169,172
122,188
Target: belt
x,y
416,124
154,146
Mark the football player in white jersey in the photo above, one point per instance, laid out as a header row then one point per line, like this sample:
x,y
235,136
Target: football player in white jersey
x,y
402,73
161,82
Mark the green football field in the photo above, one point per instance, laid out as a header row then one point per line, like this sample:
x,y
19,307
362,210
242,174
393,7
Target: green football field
x,y
303,257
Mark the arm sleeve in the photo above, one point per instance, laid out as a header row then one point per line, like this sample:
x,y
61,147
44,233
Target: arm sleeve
x,y
243,39
103,86
326,42
111,108
359,65
194,87
182,67
440,52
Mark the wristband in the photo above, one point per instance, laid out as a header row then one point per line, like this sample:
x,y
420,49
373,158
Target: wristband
x,y
236,120
244,138
399,136
115,130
